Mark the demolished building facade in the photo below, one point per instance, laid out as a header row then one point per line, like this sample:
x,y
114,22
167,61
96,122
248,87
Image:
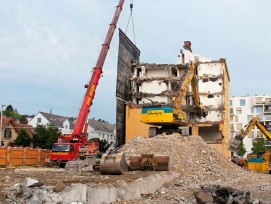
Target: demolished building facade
x,y
159,84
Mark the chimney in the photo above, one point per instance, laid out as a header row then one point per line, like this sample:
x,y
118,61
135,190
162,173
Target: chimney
x,y
187,45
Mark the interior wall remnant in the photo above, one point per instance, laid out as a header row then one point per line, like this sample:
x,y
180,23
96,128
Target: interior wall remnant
x,y
210,134
128,53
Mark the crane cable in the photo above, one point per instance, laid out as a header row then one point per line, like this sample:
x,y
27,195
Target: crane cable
x,y
131,17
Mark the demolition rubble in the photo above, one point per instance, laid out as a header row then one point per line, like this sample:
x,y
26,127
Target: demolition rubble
x,y
198,174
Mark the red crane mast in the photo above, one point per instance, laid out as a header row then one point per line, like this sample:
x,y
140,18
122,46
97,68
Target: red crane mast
x,y
96,75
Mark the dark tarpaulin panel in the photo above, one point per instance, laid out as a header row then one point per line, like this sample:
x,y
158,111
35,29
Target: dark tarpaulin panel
x,y
127,52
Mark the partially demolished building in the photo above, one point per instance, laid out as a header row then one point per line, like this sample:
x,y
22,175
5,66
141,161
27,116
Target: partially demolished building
x,y
159,84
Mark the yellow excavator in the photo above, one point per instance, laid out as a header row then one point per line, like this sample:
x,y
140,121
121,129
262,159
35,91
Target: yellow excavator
x,y
255,162
255,122
170,117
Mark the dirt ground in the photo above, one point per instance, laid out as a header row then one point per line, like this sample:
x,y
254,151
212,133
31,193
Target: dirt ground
x,y
197,164
171,193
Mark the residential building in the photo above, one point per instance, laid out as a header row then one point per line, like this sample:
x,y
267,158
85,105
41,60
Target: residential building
x,y
96,128
243,109
64,124
11,129
102,130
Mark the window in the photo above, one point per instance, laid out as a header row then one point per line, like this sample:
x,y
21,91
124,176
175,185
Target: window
x,y
39,120
230,102
238,110
251,134
252,109
238,126
236,118
249,117
232,128
231,118
7,133
259,109
242,102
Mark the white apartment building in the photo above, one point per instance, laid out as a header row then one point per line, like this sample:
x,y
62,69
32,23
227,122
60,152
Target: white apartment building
x,y
243,109
102,130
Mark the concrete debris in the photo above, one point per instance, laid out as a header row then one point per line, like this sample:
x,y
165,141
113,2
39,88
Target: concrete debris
x,y
90,193
29,182
59,187
198,174
228,195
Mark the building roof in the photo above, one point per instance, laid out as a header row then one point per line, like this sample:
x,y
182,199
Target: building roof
x,y
57,120
102,126
18,126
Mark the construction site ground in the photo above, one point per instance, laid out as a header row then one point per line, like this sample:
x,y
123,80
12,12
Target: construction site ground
x,y
195,165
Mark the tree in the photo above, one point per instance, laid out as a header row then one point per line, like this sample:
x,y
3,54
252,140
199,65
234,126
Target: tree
x,y
242,150
45,137
259,146
23,139
23,119
10,112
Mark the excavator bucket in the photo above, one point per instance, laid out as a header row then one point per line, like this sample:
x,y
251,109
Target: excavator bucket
x,y
234,145
113,163
149,162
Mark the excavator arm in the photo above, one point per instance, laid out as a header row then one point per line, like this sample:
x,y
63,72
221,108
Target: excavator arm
x,y
190,78
255,121
170,117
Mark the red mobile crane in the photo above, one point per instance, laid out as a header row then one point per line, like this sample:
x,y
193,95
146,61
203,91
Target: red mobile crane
x,y
76,145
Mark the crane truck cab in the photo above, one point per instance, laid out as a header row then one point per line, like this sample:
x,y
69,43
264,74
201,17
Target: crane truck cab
x,y
64,152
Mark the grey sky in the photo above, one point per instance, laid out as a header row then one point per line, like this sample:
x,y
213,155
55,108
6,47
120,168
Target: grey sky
x,y
47,48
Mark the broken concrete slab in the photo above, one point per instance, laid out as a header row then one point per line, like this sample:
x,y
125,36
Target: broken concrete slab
x,y
101,194
29,182
75,192
149,185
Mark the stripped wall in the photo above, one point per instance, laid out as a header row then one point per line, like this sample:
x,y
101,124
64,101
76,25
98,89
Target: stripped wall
x,y
128,52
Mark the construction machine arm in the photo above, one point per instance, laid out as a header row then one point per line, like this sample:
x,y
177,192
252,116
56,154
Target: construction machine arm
x,y
96,75
183,89
190,77
255,121
263,129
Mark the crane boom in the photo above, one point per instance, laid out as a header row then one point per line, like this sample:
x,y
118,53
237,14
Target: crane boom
x,y
96,75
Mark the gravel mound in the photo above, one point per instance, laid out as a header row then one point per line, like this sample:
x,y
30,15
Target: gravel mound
x,y
198,163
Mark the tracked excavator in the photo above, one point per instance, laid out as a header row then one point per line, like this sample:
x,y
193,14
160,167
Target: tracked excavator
x,y
169,118
255,122
258,162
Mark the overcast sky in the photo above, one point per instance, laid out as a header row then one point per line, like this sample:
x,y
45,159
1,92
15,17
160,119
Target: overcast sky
x,y
48,47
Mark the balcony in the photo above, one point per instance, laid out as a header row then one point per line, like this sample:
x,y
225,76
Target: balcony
x,y
258,101
267,109
268,101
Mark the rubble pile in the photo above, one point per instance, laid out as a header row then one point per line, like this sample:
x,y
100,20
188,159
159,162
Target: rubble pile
x,y
219,194
198,163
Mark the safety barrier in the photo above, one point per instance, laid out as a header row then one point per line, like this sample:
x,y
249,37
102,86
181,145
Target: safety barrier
x,y
11,156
